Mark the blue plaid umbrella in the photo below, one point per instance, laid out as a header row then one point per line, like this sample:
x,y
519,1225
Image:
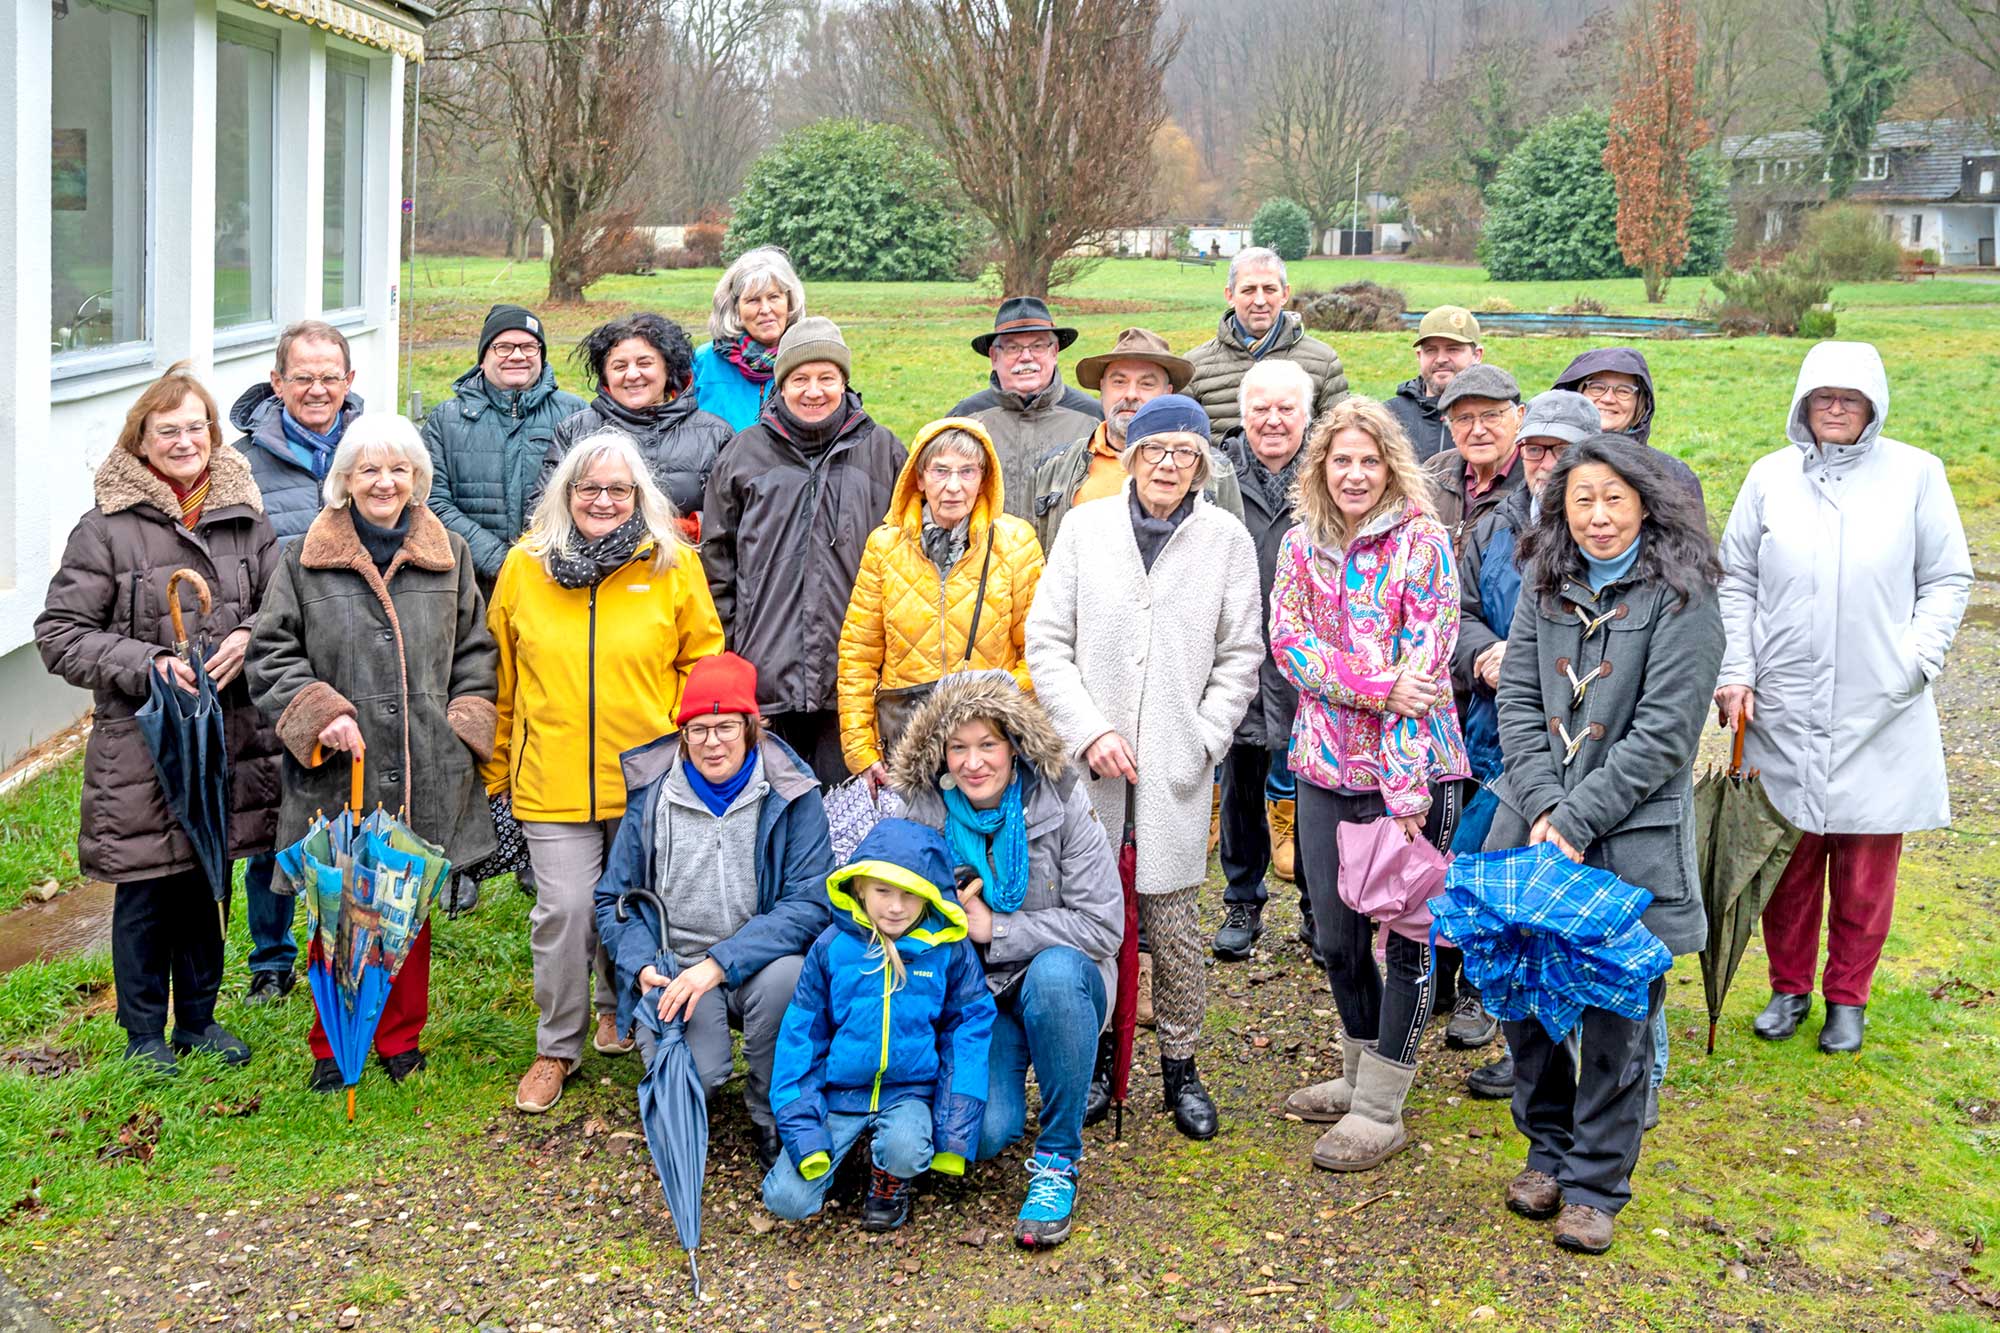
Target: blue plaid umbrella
x,y
1546,938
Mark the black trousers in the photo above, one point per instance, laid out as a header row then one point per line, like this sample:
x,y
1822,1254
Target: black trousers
x,y
1583,1123
1245,848
815,738
1392,1015
166,933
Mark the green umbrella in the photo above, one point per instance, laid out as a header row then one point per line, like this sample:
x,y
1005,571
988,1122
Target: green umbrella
x,y
1742,845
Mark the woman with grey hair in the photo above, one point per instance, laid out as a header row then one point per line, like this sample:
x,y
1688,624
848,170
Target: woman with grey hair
x,y
372,638
944,586
600,612
757,299
1144,646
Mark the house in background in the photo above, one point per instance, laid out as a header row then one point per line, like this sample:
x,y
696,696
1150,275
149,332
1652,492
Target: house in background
x,y
179,180
1935,184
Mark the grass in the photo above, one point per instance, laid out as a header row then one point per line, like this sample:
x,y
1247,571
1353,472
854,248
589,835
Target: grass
x,y
38,833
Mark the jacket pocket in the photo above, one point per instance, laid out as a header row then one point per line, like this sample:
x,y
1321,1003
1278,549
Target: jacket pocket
x,y
1653,847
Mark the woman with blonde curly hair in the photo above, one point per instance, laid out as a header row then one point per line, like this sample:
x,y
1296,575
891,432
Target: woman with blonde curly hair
x,y
1364,614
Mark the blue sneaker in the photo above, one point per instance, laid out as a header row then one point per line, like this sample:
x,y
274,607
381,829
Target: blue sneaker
x,y
1044,1219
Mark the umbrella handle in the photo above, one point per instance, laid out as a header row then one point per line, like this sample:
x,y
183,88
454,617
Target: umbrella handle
x,y
202,595
355,776
1736,750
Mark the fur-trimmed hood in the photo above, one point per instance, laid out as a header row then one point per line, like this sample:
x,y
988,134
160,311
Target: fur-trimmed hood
x,y
961,698
124,482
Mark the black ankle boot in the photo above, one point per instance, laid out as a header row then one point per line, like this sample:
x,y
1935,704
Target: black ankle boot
x,y
888,1203
1097,1104
1845,1024
1193,1108
1781,1016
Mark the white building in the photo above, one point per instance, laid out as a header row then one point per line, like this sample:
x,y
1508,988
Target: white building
x,y
179,179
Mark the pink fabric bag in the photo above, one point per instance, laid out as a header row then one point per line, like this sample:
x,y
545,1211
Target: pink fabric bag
x,y
1389,878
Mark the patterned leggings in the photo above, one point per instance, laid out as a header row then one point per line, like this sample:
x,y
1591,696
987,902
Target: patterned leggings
x,y
1180,985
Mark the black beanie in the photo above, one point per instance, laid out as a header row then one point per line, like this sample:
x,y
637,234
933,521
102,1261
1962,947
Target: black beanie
x,y
504,317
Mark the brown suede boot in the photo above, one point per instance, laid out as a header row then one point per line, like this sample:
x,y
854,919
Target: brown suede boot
x,y
1584,1229
1534,1195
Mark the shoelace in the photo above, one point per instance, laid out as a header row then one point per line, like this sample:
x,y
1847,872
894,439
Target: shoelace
x,y
886,1188
1049,1184
1238,917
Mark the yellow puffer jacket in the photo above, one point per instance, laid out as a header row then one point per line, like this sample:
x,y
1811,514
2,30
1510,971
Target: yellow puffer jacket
x,y
588,673
906,627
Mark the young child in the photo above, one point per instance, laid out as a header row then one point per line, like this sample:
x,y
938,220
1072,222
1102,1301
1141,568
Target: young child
x,y
887,1032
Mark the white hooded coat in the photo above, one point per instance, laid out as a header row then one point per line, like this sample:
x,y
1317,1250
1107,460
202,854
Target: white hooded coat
x,y
1845,572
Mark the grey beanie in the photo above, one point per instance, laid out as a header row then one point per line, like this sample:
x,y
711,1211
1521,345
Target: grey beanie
x,y
1560,414
813,338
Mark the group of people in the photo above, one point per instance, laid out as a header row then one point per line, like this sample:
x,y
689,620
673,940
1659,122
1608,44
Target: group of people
x,y
1225,605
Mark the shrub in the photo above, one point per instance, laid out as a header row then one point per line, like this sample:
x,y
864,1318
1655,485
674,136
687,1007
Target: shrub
x,y
1354,307
1846,242
1181,241
1447,216
704,241
1584,304
1552,212
1283,225
854,202
1494,305
1817,324
676,257
1770,298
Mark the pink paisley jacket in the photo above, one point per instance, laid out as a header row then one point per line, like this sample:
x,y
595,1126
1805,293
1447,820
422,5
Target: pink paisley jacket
x,y
1342,631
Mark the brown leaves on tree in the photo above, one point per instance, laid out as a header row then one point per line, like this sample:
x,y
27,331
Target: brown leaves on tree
x,y
1656,129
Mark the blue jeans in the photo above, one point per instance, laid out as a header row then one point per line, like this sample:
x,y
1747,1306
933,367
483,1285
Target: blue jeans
x,y
1659,1046
902,1147
272,948
1281,784
1050,1020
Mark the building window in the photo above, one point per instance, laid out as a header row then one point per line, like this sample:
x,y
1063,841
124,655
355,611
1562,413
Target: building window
x,y
346,150
246,83
1916,229
101,84
1877,168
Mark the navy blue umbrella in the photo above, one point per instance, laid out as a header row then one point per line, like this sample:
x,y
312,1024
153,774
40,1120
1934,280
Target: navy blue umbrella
x,y
190,753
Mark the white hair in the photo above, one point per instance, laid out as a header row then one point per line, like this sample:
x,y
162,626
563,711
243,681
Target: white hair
x,y
754,269
1277,373
377,433
1257,256
551,529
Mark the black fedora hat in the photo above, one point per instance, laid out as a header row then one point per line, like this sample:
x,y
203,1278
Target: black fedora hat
x,y
1023,314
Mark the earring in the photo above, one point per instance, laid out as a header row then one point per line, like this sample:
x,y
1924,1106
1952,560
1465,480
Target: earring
x,y
946,782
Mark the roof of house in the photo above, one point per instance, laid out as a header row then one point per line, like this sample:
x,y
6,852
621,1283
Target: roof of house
x,y
1926,157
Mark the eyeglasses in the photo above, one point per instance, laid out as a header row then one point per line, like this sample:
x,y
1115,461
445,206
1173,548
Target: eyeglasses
x,y
1183,455
722,733
1623,393
1535,453
517,351
1841,403
197,430
618,491
1024,346
305,382
942,475
1491,418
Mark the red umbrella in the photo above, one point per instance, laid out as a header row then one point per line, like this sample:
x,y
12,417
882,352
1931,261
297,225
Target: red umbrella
x,y
1125,1011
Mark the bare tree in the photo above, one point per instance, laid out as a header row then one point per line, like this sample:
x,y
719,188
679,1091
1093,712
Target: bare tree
x,y
841,68
719,62
1045,110
1324,110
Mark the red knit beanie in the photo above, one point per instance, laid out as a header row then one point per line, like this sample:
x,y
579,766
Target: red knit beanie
x,y
724,683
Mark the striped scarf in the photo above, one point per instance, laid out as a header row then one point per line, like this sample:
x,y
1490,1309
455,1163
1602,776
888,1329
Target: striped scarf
x,y
191,498
756,362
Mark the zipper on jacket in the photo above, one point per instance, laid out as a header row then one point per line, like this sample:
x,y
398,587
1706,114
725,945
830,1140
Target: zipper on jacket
x,y
875,1096
521,754
591,748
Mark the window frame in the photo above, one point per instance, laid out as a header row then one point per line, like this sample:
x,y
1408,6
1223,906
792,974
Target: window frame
x,y
140,351
230,28
340,60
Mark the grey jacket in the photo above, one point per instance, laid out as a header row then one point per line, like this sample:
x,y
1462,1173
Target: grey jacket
x,y
1626,797
1220,364
486,446
292,494
1062,470
1023,429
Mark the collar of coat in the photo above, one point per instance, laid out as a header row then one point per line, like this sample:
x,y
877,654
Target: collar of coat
x,y
332,543
1045,399
967,696
124,482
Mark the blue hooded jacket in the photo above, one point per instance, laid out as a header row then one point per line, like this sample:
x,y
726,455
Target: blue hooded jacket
x,y
794,856
852,1045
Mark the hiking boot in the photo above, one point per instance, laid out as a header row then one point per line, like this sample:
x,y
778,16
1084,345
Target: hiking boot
x,y
1325,1103
403,1064
1044,1219
215,1040
325,1076
1372,1130
1781,1016
1534,1195
1652,1120
607,1041
542,1086
270,987
152,1055
1242,926
1494,1080
1471,1026
888,1203
1584,1229
1845,1024
1143,1006
1193,1108
768,1145
1280,816
1097,1102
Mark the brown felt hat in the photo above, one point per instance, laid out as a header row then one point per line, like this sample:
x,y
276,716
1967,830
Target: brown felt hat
x,y
1136,345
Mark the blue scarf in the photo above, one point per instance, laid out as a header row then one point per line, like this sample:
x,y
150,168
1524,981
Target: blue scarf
x,y
719,796
1604,573
973,833
1255,346
312,448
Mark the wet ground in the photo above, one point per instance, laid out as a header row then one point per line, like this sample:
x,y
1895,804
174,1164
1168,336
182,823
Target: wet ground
x,y
74,922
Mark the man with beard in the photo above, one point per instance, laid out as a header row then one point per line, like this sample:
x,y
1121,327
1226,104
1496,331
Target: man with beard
x,y
1447,343
1137,369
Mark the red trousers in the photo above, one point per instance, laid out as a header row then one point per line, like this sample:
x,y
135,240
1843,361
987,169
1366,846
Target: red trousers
x,y
403,1015
1858,871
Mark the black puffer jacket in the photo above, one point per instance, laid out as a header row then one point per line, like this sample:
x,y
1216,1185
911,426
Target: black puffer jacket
x,y
1267,512
1417,413
679,440
784,524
